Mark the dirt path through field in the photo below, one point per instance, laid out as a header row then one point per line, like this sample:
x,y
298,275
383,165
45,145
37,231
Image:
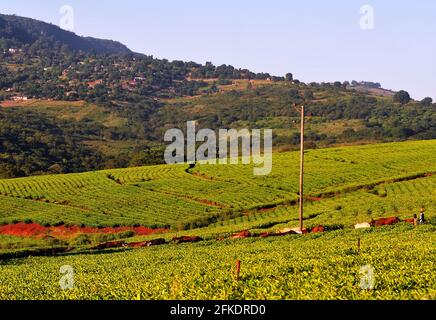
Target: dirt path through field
x,y
34,230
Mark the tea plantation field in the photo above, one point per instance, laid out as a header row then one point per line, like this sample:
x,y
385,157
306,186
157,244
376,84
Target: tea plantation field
x,y
318,266
344,186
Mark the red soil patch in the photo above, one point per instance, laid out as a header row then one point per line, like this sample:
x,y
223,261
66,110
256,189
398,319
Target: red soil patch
x,y
187,239
26,230
12,103
267,209
22,229
202,176
202,201
412,220
211,203
385,222
150,243
241,235
313,198
142,231
317,229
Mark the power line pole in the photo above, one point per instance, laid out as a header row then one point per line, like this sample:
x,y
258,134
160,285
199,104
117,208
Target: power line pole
x,y
301,169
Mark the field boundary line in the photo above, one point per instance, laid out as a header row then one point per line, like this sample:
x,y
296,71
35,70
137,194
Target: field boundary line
x,y
371,185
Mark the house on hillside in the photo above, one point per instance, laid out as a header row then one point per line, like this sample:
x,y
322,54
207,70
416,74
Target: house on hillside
x,y
19,98
14,50
72,93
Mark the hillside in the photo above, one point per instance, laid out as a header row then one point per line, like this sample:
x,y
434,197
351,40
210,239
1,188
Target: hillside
x,y
20,31
52,216
372,180
293,267
92,104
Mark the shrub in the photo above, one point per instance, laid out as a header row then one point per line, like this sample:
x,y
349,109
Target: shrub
x,y
82,239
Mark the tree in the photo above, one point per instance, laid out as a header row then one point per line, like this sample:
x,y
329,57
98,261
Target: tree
x,y
289,77
427,102
402,97
345,85
308,95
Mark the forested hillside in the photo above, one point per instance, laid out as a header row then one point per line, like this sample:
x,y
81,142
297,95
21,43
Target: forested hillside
x,y
71,104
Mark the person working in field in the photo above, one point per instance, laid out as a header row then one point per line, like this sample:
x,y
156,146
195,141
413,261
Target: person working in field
x,y
422,216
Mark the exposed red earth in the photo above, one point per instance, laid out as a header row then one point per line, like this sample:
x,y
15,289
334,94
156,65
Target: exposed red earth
x,y
154,242
211,203
186,239
34,230
412,220
241,235
38,231
385,222
314,199
317,229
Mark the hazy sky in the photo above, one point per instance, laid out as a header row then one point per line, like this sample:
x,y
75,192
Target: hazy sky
x,y
316,40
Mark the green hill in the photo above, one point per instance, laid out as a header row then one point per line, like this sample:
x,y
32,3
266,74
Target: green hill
x,y
344,186
92,104
354,183
20,31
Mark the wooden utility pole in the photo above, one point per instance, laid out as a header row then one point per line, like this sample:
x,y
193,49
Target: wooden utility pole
x,y
301,169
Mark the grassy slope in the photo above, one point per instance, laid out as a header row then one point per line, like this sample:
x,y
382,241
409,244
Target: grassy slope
x,y
237,106
80,112
316,266
169,195
319,266
70,110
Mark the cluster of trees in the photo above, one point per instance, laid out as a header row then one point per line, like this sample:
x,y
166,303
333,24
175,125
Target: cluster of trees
x,y
403,97
366,84
51,74
61,74
378,119
209,71
57,64
53,64
33,144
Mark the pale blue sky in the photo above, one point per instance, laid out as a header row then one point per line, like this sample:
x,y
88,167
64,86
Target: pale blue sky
x,y
316,40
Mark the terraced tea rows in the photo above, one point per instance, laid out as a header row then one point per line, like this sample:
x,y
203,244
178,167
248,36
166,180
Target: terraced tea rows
x,y
354,185
169,195
94,199
332,168
403,199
